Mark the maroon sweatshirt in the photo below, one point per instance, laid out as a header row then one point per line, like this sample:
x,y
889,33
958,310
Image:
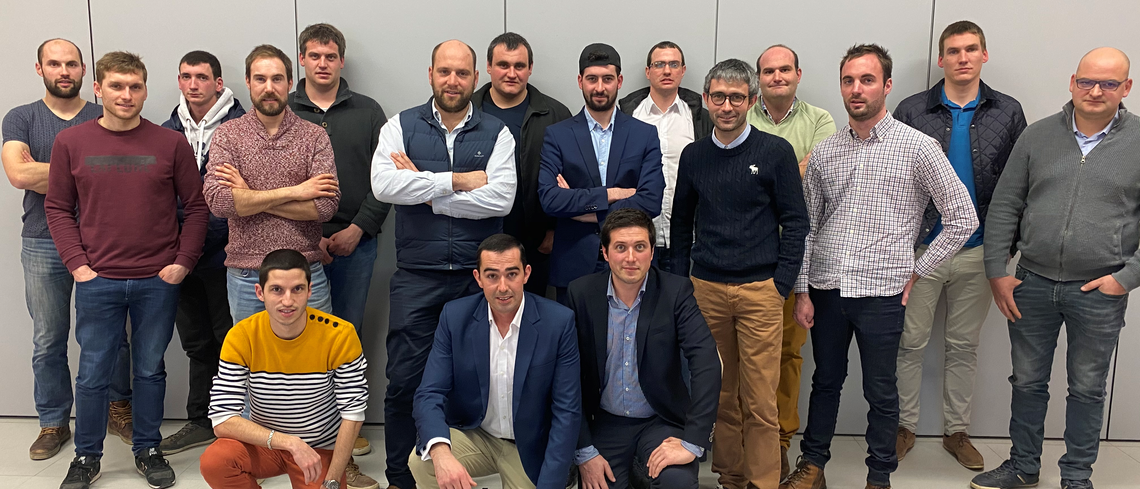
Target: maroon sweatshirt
x,y
124,188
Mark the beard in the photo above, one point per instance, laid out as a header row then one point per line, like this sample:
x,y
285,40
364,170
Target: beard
x,y
264,109
599,107
460,104
871,108
729,126
57,91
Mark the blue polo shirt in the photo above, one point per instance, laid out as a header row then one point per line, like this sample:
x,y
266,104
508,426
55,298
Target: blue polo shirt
x,y
961,159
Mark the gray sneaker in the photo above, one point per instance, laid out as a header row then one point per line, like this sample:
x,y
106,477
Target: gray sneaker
x,y
151,465
190,436
1076,484
83,471
1006,476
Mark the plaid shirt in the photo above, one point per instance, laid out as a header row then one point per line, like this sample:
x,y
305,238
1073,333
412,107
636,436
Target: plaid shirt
x,y
866,199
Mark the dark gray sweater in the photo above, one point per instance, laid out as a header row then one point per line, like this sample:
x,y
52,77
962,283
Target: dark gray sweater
x,y
1079,215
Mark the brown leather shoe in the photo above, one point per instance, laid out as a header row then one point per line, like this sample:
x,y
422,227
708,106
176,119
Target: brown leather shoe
x,y
49,442
904,442
784,468
959,445
119,421
356,480
806,476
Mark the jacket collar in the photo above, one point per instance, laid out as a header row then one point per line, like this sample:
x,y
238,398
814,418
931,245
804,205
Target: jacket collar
x,y
934,95
1067,111
539,102
302,97
693,99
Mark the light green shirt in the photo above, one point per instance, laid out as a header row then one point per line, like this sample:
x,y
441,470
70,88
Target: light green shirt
x,y
803,127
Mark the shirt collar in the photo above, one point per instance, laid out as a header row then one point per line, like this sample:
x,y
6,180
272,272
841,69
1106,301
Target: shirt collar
x,y
764,109
1102,133
735,142
676,105
969,105
881,129
613,298
516,323
594,125
439,117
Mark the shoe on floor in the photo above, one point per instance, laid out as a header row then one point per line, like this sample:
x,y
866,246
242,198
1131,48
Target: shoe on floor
x,y
49,442
190,436
1076,484
904,442
362,447
874,486
119,421
83,471
1006,476
357,480
151,465
959,445
806,476
784,468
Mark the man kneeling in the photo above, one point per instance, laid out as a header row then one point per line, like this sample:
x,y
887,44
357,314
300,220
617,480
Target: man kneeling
x,y
303,373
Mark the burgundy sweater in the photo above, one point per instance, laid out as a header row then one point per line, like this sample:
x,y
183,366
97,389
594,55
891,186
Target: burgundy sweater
x,y
124,189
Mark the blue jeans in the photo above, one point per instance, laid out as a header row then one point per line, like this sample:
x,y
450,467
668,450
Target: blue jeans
x,y
101,309
47,288
243,299
349,279
876,324
1092,326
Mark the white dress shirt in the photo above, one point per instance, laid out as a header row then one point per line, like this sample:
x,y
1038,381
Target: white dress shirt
x,y
675,130
406,187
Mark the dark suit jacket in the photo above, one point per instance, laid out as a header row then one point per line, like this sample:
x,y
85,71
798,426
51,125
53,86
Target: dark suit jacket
x,y
567,149
547,401
669,324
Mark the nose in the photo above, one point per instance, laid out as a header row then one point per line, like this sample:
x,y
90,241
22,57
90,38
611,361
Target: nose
x,y
1096,91
857,87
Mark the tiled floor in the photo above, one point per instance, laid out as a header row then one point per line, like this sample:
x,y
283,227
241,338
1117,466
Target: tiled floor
x,y
928,466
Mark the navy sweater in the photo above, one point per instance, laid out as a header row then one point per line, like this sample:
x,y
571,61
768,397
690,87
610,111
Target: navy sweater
x,y
740,198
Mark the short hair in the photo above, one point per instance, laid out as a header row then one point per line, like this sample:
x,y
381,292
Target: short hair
x,y
323,34
511,41
40,50
499,243
269,51
283,259
628,218
860,50
795,57
119,62
734,71
195,58
663,45
960,27
474,58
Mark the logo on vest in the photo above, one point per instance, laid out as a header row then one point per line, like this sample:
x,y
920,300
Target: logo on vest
x,y
478,154
755,171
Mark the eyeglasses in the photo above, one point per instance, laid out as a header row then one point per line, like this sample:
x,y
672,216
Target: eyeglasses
x,y
1106,85
660,65
718,98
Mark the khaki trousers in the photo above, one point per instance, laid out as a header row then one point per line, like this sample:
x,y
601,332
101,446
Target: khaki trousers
x,y
788,392
746,321
482,455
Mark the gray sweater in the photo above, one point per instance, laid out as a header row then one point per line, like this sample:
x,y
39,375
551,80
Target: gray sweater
x,y
1079,216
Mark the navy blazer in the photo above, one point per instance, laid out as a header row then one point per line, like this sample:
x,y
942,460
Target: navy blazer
x,y
567,149
669,325
547,401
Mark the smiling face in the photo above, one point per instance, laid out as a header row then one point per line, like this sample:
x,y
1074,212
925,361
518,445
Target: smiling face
x,y
726,116
453,77
322,63
629,254
778,74
286,294
123,95
61,69
962,58
600,86
502,276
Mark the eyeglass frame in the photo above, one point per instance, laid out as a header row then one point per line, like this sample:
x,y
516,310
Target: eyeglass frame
x,y
727,97
663,64
1094,83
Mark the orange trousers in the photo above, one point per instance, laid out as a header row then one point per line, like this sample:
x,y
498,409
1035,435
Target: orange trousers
x,y
231,464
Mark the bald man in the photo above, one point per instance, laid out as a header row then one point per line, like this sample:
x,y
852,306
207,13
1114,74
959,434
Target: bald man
x,y
1072,188
449,172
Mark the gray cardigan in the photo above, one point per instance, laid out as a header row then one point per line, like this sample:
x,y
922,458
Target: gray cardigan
x,y
1078,216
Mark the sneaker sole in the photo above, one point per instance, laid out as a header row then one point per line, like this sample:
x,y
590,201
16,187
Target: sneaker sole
x,y
169,451
976,486
362,451
152,485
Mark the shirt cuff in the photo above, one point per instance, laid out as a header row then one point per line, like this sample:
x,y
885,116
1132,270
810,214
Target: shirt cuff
x,y
583,455
695,450
427,448
442,184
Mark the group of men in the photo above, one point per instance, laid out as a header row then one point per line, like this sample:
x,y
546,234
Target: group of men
x,y
263,254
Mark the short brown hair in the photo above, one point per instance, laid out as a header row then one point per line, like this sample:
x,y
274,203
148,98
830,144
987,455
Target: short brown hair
x,y
269,51
960,27
628,217
663,45
323,34
119,62
860,50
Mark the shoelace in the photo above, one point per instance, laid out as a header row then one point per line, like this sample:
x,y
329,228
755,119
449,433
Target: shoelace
x,y
121,415
352,470
54,430
185,430
797,475
1004,469
154,459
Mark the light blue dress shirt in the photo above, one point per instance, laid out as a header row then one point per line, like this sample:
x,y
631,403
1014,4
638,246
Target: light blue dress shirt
x,y
735,142
601,139
1087,143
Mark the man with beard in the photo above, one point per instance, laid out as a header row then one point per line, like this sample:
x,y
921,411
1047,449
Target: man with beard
x,y
450,172
739,195
29,132
866,189
271,174
598,161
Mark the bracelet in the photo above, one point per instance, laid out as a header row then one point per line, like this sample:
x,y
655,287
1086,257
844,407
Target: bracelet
x,y
269,441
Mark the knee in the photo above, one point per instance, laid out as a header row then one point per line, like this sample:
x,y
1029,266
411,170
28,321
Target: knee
x,y
422,471
677,477
220,459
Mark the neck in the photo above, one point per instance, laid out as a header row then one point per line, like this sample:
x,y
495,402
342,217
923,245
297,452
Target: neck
x,y
1089,126
778,107
503,321
603,118
863,128
663,98
68,106
504,101
116,124
452,119
287,332
962,94
627,293
726,137
322,96
198,112
271,123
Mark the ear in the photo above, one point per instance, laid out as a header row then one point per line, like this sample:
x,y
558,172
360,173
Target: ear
x,y
620,78
259,291
526,274
39,70
940,61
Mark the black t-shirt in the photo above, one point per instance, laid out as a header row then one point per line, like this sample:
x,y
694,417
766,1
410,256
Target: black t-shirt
x,y
512,117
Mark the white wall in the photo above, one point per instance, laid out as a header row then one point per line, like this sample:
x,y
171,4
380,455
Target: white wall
x,y
1034,47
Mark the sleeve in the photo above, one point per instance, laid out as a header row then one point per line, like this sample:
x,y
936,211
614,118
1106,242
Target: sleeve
x,y
230,386
402,187
188,186
437,383
60,208
220,198
814,201
650,184
699,348
684,210
1005,210
566,409
959,219
16,125
564,202
791,211
323,162
824,127
349,383
494,199
372,214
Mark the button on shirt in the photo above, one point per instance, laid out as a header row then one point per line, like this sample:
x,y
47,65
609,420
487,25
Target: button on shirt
x,y
1087,143
866,199
961,158
601,139
675,130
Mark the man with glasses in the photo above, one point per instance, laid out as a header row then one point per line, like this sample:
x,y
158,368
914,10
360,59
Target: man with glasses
x,y
739,192
1071,190
680,119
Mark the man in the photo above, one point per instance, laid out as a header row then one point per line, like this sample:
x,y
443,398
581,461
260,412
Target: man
x,y
203,310
859,266
739,195
984,124
106,177
782,113
317,357
598,161
501,391
680,119
634,325
450,171
527,113
272,176
1078,242
29,132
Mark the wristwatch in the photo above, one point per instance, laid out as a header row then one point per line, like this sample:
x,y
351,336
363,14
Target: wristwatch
x,y
331,484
